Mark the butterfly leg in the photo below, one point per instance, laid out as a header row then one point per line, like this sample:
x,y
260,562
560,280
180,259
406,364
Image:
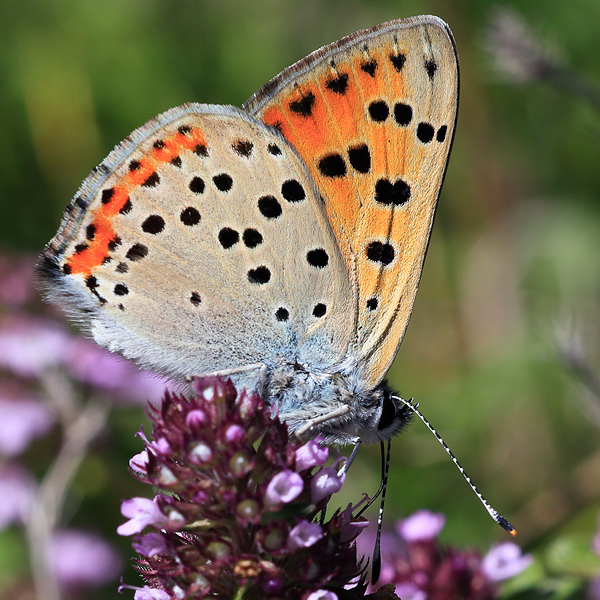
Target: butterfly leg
x,y
350,459
309,425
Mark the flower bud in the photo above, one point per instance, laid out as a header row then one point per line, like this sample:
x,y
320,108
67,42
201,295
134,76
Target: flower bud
x,y
248,509
239,464
201,453
218,551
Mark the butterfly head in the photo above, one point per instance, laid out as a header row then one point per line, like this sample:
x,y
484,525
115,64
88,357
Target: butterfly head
x,y
392,415
374,416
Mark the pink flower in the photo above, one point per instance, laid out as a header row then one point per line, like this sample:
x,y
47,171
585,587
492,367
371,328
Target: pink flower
x,y
141,512
147,593
82,559
504,561
228,464
352,529
593,590
100,368
30,345
596,543
234,433
139,462
22,421
283,488
325,483
160,447
311,455
322,595
421,526
196,418
17,488
16,286
304,535
150,544
409,591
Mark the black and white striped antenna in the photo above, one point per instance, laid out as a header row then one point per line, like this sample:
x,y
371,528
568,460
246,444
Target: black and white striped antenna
x,y
385,469
492,512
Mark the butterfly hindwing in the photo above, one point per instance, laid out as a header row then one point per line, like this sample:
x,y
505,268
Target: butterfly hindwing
x,y
373,116
201,244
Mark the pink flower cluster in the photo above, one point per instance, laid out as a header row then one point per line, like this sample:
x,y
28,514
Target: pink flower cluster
x,y
419,568
238,512
34,343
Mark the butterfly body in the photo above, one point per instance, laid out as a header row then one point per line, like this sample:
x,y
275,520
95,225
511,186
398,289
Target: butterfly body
x,y
289,235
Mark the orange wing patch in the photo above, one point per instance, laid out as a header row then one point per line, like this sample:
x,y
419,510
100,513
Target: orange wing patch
x,y
101,238
373,117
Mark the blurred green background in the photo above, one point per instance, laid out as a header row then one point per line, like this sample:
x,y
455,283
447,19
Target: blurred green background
x,y
514,257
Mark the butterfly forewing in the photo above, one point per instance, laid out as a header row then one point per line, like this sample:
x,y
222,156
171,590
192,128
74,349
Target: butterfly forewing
x,y
201,244
373,116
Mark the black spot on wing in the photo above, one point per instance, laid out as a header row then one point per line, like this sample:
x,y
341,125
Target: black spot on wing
x,y
431,68
332,165
338,84
304,106
369,67
398,61
380,252
259,276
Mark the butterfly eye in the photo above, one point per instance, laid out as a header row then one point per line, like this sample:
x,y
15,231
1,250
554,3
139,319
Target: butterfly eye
x,y
388,413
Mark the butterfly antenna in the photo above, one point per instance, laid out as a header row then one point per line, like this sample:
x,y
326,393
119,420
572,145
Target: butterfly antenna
x,y
492,512
381,485
385,469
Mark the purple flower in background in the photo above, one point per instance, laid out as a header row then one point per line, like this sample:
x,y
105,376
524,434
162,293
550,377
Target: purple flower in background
x,y
593,591
421,568
21,421
30,345
17,489
98,367
596,543
504,561
16,285
409,591
83,559
421,526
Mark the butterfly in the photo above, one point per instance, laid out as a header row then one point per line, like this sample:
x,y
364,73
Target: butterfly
x,y
281,243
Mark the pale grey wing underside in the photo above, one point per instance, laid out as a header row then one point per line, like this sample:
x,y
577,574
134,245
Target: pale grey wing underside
x,y
235,263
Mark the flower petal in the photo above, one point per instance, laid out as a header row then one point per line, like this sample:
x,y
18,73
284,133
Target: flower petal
x,y
421,526
304,535
504,561
284,487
